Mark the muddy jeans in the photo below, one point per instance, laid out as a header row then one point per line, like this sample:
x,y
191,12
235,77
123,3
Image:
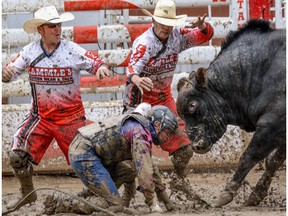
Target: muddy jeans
x,y
89,168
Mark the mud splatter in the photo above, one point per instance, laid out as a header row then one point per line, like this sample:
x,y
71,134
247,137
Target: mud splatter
x,y
205,188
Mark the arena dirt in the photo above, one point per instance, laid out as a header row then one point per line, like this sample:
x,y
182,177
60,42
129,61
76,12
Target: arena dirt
x,y
207,185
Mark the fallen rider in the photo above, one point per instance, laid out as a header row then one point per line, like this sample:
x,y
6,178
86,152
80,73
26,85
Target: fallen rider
x,y
99,154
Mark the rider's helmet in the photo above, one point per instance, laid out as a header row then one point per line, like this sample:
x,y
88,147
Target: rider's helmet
x,y
164,122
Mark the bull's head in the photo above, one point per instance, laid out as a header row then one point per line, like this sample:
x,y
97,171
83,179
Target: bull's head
x,y
197,106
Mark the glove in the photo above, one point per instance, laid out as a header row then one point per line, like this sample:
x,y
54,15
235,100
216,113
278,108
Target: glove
x,y
163,197
153,205
151,201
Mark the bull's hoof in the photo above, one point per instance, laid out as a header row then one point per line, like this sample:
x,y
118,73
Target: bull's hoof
x,y
253,200
225,198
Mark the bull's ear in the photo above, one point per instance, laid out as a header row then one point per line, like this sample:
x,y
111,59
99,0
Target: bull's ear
x,y
202,82
192,75
184,84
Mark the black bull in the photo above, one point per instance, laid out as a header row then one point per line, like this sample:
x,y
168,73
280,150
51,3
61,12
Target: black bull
x,y
245,85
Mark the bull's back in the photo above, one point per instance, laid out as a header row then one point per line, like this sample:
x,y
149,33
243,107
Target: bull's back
x,y
250,74
268,84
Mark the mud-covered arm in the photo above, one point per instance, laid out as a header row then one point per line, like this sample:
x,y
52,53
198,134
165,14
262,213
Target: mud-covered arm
x,y
141,146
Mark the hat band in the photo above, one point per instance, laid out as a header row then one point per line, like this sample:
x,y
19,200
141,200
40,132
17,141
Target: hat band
x,y
165,17
53,19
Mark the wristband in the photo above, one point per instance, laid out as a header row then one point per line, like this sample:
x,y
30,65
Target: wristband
x,y
130,78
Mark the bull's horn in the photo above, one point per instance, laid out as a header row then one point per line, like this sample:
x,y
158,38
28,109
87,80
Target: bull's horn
x,y
202,82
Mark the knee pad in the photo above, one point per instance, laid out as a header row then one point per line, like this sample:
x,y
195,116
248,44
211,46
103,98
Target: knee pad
x,y
18,159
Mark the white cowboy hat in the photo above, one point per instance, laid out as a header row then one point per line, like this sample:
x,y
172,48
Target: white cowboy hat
x,y
165,13
46,15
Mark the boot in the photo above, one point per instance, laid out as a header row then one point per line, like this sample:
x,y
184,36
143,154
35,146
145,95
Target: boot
x,y
129,193
85,193
180,184
153,206
24,175
58,203
180,159
163,197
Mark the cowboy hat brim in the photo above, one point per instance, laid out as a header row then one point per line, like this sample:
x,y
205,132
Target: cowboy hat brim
x,y
177,21
30,26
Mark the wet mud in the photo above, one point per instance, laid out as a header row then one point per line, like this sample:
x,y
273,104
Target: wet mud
x,y
197,199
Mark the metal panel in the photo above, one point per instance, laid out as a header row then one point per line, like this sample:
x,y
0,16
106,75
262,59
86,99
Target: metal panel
x,y
104,33
13,6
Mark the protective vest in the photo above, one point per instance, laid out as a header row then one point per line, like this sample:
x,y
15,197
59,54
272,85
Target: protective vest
x,y
107,140
139,118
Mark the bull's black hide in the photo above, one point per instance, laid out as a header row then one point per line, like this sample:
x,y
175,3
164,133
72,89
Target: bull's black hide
x,y
245,86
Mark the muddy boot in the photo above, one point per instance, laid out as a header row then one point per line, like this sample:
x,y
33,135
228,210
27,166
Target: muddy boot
x,y
24,175
180,159
85,193
129,193
163,197
183,185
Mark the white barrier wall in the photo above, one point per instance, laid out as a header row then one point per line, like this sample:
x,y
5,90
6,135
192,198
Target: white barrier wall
x,y
225,153
12,6
106,33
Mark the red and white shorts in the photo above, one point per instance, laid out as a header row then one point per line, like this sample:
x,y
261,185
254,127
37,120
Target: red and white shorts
x,y
35,135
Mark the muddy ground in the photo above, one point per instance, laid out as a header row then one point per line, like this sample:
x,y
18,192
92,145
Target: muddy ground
x,y
207,185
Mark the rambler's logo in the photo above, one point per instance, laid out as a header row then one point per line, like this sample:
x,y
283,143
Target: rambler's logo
x,y
50,76
167,60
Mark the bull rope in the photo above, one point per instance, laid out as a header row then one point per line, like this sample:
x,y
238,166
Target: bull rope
x,y
76,197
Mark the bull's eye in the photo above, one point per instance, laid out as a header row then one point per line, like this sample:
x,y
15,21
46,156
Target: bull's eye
x,y
191,130
192,106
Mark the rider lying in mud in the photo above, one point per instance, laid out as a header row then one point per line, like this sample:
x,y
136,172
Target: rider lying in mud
x,y
98,155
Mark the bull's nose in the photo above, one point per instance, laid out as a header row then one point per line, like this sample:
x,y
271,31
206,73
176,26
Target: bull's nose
x,y
200,149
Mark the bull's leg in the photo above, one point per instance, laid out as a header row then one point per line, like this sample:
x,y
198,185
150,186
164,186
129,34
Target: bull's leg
x,y
231,188
272,163
257,150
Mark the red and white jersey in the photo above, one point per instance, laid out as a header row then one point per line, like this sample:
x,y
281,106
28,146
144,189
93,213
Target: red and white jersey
x,y
151,58
55,80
